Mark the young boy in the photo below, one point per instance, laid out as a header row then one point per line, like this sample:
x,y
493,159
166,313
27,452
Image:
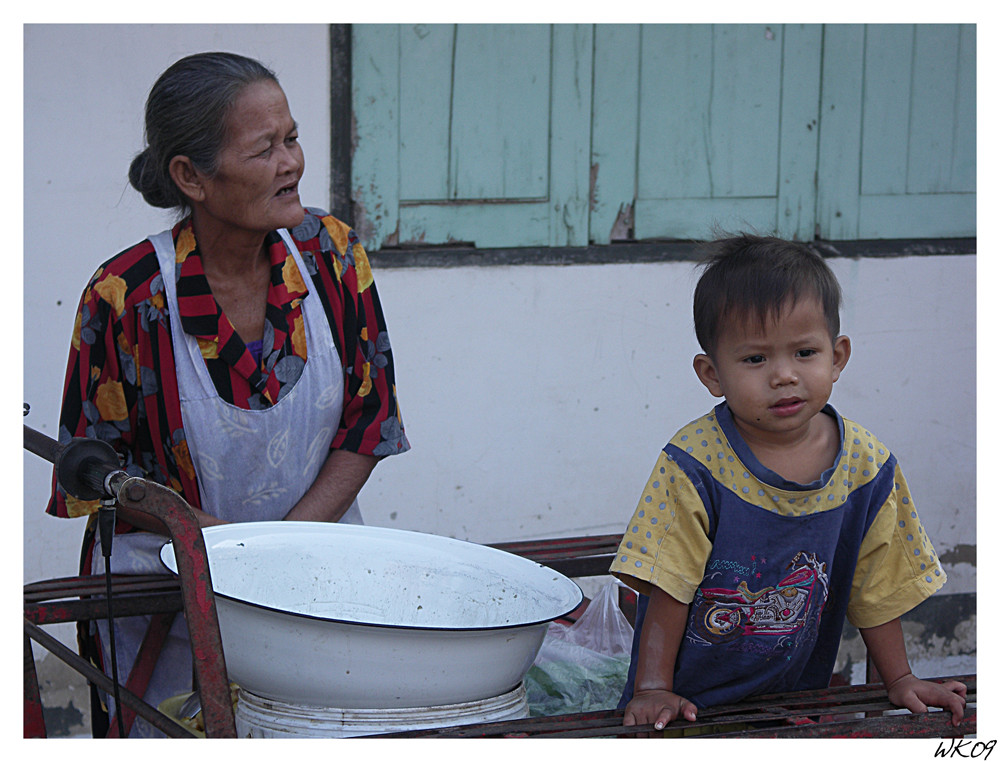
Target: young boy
x,y
768,521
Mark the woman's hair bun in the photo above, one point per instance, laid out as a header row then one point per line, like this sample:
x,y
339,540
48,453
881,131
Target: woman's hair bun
x,y
157,190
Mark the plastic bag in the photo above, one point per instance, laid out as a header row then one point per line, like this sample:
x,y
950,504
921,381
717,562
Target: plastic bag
x,y
582,667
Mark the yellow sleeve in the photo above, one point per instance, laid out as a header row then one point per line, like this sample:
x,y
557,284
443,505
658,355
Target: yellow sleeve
x,y
666,543
897,567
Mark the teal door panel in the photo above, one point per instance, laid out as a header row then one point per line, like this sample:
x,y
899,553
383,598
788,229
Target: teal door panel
x,y
425,98
799,131
964,156
487,226
839,168
926,215
918,82
701,218
942,136
473,126
675,112
488,128
886,117
531,135
709,111
569,139
728,126
615,133
375,168
500,113
898,145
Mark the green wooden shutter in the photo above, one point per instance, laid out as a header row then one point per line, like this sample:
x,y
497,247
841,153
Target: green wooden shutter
x,y
563,135
472,133
898,145
698,126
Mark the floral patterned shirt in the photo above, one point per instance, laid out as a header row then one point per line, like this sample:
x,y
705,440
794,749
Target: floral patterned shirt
x,y
121,385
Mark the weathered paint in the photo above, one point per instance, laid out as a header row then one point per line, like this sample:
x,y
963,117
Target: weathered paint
x,y
939,632
838,131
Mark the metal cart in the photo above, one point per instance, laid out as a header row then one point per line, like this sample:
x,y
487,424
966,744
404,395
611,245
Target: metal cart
x,y
844,711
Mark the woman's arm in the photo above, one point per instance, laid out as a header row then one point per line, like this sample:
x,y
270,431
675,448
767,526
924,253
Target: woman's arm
x,y
336,486
339,481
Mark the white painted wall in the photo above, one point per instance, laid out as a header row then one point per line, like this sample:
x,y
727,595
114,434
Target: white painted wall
x,y
536,398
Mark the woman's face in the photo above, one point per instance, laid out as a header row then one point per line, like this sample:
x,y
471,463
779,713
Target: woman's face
x,y
255,188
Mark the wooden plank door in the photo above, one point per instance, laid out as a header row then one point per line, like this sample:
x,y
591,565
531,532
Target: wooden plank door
x,y
471,133
721,125
898,139
563,135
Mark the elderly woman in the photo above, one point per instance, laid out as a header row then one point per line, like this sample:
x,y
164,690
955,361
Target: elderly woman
x,y
241,357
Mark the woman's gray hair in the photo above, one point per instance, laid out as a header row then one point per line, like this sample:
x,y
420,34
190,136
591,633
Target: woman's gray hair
x,y
186,116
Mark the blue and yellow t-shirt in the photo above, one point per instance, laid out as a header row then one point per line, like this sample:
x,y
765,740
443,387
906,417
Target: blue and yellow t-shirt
x,y
770,567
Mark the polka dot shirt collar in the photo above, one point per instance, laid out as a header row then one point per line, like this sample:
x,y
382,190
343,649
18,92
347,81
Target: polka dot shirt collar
x,y
717,445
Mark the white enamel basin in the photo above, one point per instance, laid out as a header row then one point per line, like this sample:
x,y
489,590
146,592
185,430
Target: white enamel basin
x,y
350,616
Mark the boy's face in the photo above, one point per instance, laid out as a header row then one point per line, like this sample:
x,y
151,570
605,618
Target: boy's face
x,y
776,378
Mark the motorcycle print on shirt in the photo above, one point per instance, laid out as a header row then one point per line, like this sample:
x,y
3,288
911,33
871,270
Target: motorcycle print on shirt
x,y
720,615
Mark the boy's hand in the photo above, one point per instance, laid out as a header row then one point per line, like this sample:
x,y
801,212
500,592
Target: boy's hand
x,y
916,695
658,707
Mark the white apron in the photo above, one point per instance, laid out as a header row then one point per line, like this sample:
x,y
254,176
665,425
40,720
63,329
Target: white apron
x,y
252,465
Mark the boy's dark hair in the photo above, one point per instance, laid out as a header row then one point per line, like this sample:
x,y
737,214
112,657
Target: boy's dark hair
x,y
748,276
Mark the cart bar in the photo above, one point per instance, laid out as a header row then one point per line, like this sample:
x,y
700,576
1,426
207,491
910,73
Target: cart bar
x,y
197,593
805,714
572,556
85,465
152,716
563,547
97,608
70,587
34,718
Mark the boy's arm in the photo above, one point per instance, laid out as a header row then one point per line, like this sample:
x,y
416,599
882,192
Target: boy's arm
x,y
886,647
653,701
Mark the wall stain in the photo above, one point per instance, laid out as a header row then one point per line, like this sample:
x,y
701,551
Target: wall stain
x,y
940,627
960,554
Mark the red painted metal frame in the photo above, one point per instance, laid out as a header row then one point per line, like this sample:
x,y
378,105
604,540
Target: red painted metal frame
x,y
572,556
34,720
154,717
196,595
53,601
145,663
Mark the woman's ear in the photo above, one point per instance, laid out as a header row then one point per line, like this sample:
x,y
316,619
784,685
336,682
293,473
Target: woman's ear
x,y
708,375
187,178
841,354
